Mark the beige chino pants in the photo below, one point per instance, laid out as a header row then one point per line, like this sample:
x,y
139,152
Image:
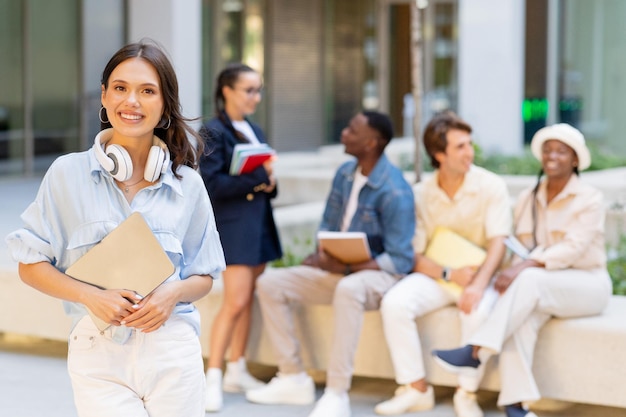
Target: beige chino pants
x,y
281,290
512,327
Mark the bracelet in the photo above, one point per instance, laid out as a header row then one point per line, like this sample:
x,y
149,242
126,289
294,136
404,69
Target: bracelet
x,y
347,271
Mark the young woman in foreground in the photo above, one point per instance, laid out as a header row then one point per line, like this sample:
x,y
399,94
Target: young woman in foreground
x,y
148,362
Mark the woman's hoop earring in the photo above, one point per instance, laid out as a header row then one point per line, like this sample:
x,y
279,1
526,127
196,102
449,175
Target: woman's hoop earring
x,y
105,114
169,122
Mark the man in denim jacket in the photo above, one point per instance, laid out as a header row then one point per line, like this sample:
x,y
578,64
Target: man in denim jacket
x,y
368,194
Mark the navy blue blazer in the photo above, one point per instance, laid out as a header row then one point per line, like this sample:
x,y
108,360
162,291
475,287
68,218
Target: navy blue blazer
x,y
243,211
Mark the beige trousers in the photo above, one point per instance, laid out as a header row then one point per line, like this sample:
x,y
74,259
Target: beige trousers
x,y
280,290
512,327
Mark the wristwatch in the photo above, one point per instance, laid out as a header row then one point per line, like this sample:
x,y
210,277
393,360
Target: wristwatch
x,y
445,274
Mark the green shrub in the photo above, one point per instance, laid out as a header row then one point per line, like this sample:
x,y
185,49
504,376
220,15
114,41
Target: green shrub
x,y
294,252
524,164
603,160
617,266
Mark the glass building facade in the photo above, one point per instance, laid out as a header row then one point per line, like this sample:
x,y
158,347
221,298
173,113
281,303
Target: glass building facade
x,y
576,68
322,61
49,82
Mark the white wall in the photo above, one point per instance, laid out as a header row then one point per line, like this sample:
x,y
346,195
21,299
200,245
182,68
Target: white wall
x,y
177,26
491,71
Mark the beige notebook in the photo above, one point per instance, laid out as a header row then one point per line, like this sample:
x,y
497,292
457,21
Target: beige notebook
x,y
130,257
450,249
348,247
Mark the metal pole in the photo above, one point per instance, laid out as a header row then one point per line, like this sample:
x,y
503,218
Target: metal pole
x,y
27,89
552,61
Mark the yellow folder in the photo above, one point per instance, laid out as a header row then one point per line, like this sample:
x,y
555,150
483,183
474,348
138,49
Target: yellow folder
x,y
130,257
450,249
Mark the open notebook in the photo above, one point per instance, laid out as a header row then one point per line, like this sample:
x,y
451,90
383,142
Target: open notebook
x,y
450,249
130,257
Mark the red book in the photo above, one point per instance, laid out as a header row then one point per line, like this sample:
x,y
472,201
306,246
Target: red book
x,y
247,157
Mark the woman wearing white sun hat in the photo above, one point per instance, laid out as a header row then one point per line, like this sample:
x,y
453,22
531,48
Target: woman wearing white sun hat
x,y
561,222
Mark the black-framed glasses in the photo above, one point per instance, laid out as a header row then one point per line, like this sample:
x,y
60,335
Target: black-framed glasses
x,y
251,91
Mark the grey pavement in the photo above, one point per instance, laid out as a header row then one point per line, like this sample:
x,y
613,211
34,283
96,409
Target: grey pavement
x,y
34,381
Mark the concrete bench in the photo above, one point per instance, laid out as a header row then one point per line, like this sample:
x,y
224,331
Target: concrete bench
x,y
579,360
576,360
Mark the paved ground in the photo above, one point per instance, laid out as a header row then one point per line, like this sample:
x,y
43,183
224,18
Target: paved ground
x,y
34,383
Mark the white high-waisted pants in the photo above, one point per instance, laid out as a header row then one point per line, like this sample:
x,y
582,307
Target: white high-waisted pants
x,y
513,325
157,374
414,296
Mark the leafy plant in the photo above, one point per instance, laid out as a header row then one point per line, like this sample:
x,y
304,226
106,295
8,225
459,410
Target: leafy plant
x,y
525,163
294,253
603,160
617,266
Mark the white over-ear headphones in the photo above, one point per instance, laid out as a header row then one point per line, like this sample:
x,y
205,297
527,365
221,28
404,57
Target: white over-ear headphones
x,y
116,160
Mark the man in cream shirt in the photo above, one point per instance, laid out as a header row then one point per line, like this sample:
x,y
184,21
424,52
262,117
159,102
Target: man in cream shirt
x,y
474,203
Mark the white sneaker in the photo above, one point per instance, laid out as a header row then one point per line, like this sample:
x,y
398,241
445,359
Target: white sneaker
x,y
296,389
213,401
405,399
465,404
238,379
332,404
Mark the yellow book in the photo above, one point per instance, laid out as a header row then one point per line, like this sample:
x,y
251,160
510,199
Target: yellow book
x,y
450,249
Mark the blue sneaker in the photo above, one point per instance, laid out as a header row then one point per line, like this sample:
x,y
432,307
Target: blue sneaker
x,y
457,361
517,411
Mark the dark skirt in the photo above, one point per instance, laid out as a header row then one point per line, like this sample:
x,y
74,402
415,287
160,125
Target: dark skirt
x,y
250,247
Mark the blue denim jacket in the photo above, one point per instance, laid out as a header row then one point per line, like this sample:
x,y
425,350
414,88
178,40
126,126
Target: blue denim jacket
x,y
385,212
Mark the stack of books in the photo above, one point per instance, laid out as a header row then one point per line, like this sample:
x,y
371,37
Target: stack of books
x,y
249,156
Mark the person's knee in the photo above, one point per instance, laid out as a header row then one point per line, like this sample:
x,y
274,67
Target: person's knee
x,y
349,291
277,286
529,279
266,285
238,304
394,308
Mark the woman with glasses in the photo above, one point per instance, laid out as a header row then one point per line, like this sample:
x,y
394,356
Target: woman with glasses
x,y
560,221
244,220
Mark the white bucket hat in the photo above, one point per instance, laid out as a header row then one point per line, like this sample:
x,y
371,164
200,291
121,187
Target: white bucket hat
x,y
568,135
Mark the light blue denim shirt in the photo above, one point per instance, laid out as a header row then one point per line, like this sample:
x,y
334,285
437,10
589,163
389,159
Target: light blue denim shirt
x,y
78,204
385,212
